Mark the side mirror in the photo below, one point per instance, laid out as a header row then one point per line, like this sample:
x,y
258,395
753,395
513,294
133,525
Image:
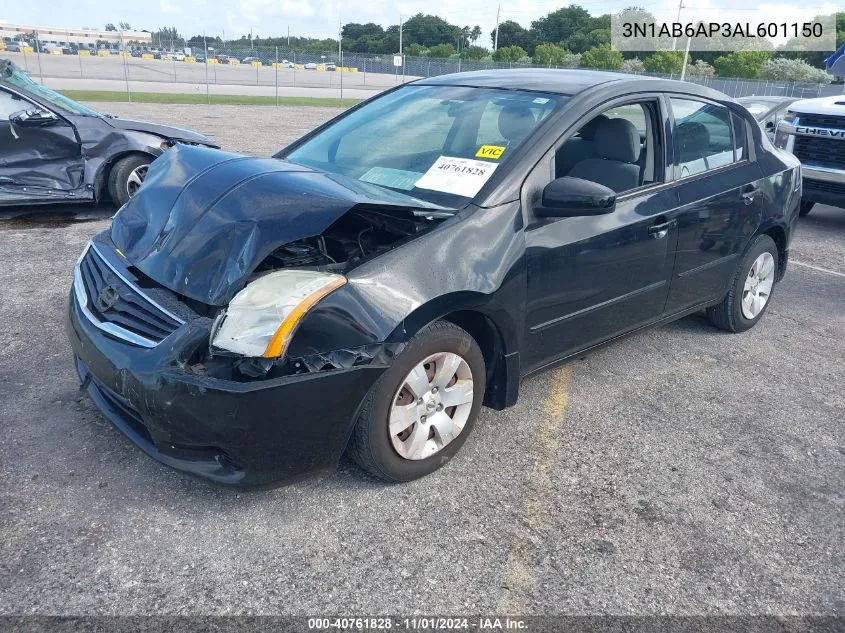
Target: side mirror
x,y
569,197
33,118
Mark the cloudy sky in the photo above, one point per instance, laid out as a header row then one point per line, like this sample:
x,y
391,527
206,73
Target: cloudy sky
x,y
319,18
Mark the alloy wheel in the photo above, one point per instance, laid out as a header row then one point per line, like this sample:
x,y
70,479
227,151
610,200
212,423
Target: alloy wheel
x,y
136,179
431,406
758,285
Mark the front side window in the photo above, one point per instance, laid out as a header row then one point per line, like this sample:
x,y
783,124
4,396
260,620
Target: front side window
x,y
703,137
436,143
617,148
11,103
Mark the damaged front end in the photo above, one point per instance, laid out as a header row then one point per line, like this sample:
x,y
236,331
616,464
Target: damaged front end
x,y
243,244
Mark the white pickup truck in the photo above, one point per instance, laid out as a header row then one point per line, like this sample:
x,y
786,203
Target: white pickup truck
x,y
814,131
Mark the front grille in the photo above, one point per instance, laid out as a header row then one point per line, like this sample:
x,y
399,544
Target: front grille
x,y
825,186
111,299
822,120
829,152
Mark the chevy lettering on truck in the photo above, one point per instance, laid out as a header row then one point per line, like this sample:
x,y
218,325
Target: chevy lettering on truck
x,y
814,131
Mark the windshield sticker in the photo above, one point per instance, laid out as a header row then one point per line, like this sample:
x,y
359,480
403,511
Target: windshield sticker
x,y
541,100
393,178
490,151
458,176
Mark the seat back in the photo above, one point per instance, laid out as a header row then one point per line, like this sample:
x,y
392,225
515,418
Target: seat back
x,y
617,145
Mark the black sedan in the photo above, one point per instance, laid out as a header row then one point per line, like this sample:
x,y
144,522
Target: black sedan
x,y
53,149
375,283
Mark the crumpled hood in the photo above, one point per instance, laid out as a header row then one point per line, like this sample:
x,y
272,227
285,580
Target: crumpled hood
x,y
205,219
166,131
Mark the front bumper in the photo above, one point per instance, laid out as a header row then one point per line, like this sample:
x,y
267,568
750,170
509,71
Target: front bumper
x,y
824,185
246,433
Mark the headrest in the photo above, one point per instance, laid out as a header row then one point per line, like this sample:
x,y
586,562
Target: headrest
x,y
515,122
692,138
588,130
617,139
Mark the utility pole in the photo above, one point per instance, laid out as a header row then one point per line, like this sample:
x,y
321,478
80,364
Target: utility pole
x,y
339,37
686,59
401,50
496,37
677,21
288,35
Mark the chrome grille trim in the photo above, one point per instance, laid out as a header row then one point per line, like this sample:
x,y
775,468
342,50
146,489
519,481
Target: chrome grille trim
x,y
111,329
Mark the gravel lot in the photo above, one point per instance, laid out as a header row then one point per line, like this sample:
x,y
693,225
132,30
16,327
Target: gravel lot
x,y
681,470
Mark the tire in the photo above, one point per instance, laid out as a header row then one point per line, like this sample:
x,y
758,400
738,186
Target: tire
x,y
373,445
731,314
119,185
806,207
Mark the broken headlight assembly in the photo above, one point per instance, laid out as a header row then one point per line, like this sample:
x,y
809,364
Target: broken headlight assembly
x,y
261,318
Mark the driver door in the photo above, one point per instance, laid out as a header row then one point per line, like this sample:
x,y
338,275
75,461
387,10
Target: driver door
x,y
39,160
593,278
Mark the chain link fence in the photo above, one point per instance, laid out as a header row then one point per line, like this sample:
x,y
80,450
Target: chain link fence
x,y
267,67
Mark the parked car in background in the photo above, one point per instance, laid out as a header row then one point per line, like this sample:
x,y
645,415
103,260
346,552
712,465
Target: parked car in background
x,y
249,60
249,319
310,66
814,131
13,47
769,111
53,149
331,67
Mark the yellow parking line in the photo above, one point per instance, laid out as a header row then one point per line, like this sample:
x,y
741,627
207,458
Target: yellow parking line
x,y
519,573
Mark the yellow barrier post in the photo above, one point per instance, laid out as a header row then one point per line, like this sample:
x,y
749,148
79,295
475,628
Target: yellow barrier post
x,y
83,52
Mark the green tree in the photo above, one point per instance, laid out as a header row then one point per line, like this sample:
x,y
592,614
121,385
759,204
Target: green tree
x,y
602,58
441,51
429,30
416,50
111,27
550,55
664,62
741,64
475,34
512,34
794,70
509,54
474,52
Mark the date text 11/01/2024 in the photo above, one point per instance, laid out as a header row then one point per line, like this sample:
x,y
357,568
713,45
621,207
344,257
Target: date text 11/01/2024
x,y
419,623
722,29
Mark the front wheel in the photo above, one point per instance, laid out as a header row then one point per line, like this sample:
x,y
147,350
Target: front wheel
x,y
421,410
126,177
751,288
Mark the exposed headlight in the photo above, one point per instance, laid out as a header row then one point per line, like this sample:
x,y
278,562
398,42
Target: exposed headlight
x,y
262,317
790,117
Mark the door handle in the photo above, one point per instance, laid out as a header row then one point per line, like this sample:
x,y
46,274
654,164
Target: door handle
x,y
661,230
749,196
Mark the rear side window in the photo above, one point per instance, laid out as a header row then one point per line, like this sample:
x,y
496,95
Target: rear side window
x,y
703,137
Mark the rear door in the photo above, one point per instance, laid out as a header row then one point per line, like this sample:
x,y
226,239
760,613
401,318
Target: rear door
x,y
720,195
37,163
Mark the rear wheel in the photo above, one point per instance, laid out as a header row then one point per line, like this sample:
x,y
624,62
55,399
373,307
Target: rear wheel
x,y
419,413
126,177
751,288
806,207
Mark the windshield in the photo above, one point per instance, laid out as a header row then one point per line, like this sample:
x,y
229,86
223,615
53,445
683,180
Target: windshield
x,y
22,80
437,143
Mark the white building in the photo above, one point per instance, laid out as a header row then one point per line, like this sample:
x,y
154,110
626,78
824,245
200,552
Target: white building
x,y
81,37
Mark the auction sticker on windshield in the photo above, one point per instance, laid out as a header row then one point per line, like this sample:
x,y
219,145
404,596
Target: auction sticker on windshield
x,y
458,176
